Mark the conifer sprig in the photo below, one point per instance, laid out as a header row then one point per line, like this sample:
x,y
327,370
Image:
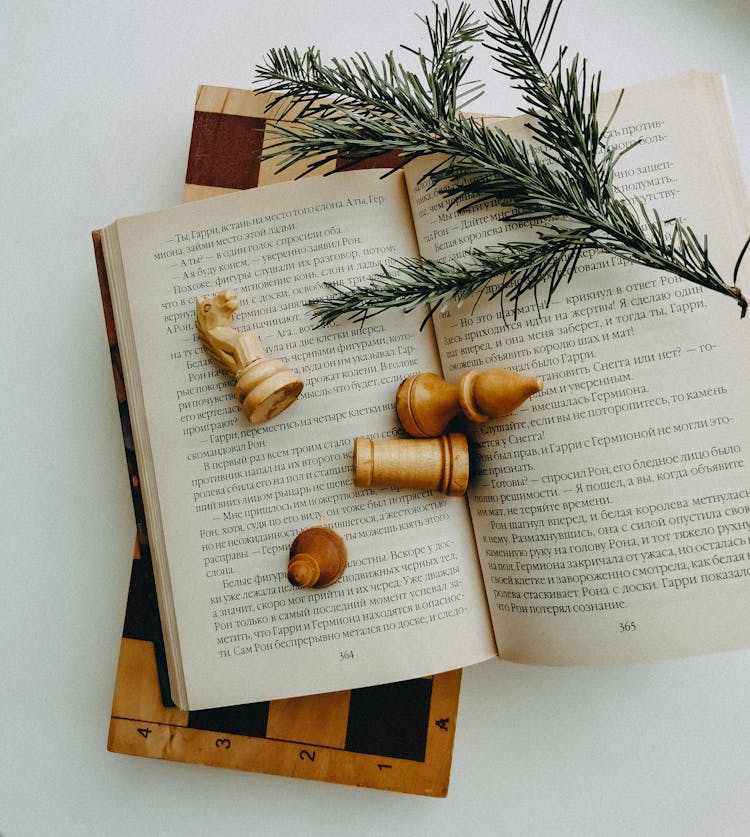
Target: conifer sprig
x,y
356,109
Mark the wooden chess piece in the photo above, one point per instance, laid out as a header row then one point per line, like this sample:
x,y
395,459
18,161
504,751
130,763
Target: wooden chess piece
x,y
317,558
426,404
440,464
265,386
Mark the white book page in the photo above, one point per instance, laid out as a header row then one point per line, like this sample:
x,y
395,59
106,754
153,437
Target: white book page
x,y
611,510
226,498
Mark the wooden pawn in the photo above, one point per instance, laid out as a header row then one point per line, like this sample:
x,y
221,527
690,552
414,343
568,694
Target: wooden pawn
x,y
317,558
440,464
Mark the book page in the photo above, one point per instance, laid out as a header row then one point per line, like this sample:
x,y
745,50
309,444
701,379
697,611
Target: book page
x,y
226,498
611,510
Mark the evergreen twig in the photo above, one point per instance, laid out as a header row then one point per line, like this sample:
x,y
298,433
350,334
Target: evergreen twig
x,y
356,109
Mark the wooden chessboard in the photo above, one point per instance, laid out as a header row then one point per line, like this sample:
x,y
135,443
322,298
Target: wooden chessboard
x,y
395,737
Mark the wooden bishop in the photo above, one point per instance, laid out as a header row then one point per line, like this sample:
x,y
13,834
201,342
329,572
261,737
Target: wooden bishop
x,y
440,464
426,404
265,386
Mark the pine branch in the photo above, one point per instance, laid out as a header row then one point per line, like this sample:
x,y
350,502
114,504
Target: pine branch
x,y
357,109
506,271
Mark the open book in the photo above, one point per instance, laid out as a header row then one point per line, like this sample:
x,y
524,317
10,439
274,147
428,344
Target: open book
x,y
606,520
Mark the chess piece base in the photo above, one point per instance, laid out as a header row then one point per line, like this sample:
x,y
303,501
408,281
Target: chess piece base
x,y
266,388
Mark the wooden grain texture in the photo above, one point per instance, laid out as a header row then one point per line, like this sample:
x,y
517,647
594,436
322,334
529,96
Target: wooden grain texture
x,y
435,464
396,737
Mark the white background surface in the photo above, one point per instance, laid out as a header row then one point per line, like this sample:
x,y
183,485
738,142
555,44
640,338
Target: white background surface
x,y
96,123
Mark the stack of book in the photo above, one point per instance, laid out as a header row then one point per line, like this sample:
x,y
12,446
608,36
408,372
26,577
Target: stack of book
x,y
605,520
